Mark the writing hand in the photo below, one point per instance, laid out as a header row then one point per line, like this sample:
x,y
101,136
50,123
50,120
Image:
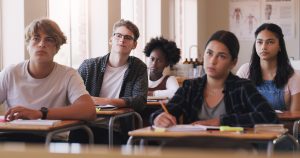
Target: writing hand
x,y
165,120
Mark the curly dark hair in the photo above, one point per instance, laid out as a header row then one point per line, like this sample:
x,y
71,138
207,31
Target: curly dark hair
x,y
168,47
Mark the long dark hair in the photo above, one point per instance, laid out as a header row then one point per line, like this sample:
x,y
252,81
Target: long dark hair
x,y
284,68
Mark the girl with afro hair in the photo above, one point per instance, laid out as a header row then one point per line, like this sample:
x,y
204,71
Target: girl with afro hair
x,y
162,53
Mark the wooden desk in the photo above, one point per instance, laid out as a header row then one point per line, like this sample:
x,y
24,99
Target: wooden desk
x,y
145,134
113,115
287,116
49,131
153,104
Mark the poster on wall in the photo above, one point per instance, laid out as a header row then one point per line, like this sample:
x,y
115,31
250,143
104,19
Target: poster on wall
x,y
244,18
280,12
246,15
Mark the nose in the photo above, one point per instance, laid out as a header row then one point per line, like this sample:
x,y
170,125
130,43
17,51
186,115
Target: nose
x,y
121,39
213,60
153,63
264,46
42,43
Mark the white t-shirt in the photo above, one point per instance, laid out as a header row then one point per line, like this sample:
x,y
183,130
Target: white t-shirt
x,y
62,87
171,86
112,81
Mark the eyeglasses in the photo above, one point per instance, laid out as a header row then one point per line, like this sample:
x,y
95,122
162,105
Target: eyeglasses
x,y
119,36
47,40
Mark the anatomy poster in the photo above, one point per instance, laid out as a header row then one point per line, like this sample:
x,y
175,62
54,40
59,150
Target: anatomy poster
x,y
244,17
247,15
282,13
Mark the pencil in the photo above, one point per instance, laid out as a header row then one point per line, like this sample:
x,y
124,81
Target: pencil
x,y
164,107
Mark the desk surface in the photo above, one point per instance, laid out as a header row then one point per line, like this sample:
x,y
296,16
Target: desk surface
x,y
289,116
114,112
247,135
6,126
153,104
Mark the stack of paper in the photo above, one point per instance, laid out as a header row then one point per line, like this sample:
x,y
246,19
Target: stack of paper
x,y
155,99
269,128
36,122
180,128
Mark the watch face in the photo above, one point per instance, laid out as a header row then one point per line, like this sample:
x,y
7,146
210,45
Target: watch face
x,y
44,111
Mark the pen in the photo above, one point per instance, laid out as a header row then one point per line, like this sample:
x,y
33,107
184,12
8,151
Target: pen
x,y
164,107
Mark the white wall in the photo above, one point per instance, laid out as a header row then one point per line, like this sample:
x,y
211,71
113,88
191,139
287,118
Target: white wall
x,y
218,18
12,36
98,15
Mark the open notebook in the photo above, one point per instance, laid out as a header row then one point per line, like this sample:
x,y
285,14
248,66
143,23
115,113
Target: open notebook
x,y
36,122
156,99
188,127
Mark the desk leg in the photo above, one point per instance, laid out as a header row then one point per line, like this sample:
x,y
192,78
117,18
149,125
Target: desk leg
x,y
130,141
139,118
283,137
90,134
111,131
85,127
296,129
270,148
112,121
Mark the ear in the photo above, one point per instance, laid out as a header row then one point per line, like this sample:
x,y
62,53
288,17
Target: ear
x,y
110,41
233,63
134,45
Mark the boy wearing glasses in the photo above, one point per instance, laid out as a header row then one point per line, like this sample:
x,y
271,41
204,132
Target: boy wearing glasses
x,y
116,78
39,88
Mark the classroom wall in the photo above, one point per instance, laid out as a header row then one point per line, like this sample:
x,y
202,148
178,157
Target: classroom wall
x,y
212,15
217,17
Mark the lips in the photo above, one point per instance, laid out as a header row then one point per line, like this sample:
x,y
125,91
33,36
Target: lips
x,y
40,52
210,69
263,53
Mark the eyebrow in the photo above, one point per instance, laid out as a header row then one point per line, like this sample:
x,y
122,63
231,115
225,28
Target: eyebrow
x,y
270,39
218,52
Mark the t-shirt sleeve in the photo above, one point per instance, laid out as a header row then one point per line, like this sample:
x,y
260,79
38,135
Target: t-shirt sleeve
x,y
243,71
4,78
171,85
293,85
76,87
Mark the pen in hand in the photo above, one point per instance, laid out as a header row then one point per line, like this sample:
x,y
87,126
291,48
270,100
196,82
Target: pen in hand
x,y
164,107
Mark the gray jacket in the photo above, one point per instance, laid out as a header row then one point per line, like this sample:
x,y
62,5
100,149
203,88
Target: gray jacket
x,y
135,82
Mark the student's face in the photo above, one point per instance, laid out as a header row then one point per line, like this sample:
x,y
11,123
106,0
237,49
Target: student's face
x,y
157,62
217,60
41,47
122,41
267,45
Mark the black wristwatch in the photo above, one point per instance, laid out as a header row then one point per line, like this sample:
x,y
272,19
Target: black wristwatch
x,y
44,111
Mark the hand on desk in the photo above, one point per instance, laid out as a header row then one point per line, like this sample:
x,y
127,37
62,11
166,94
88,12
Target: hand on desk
x,y
21,112
99,100
165,120
211,122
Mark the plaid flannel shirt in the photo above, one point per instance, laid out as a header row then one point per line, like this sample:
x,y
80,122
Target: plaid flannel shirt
x,y
243,103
